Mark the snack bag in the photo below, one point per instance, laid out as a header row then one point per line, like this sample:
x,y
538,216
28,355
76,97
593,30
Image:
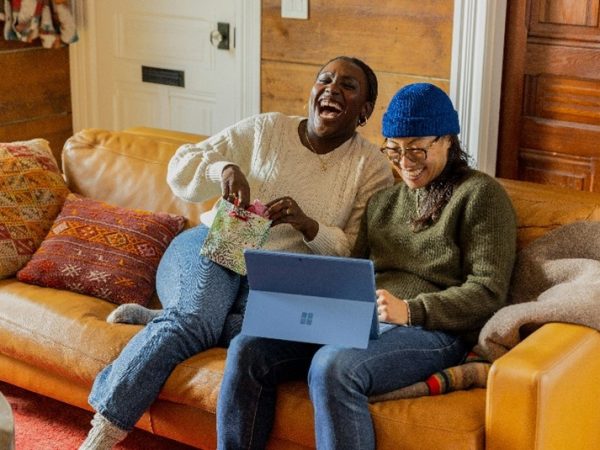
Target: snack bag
x,y
233,230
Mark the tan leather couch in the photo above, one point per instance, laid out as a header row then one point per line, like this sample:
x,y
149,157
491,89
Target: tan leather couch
x,y
541,395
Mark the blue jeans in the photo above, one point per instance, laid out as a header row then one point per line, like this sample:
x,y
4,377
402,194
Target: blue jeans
x,y
197,296
340,382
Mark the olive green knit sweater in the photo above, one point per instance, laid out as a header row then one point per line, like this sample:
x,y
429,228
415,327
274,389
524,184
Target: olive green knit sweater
x,y
454,274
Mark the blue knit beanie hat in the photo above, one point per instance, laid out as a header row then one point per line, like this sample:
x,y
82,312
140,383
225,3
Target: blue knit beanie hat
x,y
420,109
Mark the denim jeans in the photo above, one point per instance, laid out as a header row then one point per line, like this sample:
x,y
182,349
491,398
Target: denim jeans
x,y
340,382
197,296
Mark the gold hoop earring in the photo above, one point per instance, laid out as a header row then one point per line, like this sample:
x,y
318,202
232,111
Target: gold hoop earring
x,y
362,121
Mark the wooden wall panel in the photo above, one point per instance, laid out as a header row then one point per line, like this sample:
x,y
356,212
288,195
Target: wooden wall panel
x,y
560,60
561,137
568,12
55,129
36,86
563,99
550,113
393,36
35,100
572,172
12,45
556,20
402,40
285,88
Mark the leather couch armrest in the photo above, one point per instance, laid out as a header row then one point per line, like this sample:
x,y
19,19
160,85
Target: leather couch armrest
x,y
544,393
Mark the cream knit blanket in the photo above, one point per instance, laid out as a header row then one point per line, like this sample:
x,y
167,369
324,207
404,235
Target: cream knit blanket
x,y
556,279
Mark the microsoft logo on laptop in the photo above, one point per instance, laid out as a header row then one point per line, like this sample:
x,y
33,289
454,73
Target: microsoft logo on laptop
x,y
306,318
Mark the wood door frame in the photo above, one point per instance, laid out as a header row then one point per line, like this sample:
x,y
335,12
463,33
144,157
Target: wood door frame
x,y
512,89
476,76
82,61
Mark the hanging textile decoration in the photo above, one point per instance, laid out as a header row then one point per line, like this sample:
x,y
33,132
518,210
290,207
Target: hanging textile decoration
x,y
50,20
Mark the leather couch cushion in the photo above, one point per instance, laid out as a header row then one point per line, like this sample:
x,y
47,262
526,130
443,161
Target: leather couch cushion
x,y
454,420
127,170
67,334
541,208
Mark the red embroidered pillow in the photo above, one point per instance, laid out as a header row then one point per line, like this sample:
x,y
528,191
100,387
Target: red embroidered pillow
x,y
32,192
102,250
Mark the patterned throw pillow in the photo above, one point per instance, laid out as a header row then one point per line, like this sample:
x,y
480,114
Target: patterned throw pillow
x,y
102,250
32,192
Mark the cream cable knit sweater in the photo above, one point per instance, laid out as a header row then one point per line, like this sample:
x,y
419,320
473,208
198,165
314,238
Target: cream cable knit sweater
x,y
268,150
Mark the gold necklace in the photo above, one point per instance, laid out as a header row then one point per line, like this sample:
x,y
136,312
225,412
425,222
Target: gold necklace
x,y
322,159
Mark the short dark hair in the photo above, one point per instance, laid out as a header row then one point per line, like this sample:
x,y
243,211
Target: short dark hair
x,y
369,74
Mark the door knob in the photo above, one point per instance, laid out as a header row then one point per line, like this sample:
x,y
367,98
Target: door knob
x,y
220,37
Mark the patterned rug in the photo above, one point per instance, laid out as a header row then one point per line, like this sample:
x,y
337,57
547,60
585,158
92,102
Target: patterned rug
x,y
42,423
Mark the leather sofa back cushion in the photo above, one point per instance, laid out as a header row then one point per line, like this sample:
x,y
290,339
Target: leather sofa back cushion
x,y
102,250
541,208
32,192
127,170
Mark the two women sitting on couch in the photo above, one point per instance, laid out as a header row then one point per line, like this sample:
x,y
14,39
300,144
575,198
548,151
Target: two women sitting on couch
x,y
316,176
443,243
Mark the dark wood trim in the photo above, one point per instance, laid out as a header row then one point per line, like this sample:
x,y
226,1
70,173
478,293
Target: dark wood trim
x,y
515,46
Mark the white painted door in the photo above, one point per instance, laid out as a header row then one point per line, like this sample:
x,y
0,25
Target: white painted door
x,y
123,36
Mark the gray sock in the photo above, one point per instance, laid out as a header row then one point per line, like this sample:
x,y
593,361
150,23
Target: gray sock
x,y
103,436
132,313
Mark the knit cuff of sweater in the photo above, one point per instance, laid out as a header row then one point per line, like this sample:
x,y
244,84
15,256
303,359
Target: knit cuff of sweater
x,y
416,312
326,242
214,170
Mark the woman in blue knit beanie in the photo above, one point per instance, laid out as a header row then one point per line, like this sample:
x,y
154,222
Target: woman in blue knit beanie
x,y
443,244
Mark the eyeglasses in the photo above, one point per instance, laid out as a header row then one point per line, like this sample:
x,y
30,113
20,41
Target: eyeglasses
x,y
415,154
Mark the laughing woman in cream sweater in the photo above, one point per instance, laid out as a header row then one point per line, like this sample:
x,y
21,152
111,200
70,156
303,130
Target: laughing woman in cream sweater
x,y
315,176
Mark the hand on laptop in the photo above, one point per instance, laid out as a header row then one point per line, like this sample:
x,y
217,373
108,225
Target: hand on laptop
x,y
391,309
